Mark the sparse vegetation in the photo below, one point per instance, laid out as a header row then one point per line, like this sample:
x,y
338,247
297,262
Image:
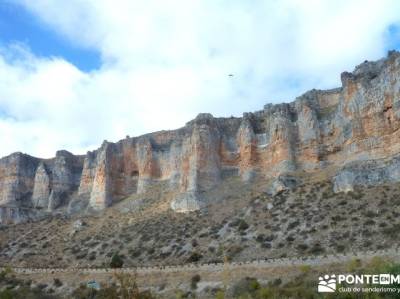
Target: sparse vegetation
x,y
243,225
194,281
310,220
57,283
303,286
116,261
194,257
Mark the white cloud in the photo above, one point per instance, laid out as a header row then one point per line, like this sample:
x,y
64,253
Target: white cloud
x,y
165,61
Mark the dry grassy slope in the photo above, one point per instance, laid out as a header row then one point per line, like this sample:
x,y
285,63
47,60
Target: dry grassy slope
x,y
166,284
240,222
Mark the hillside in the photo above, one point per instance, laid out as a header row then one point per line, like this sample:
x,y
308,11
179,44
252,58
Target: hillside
x,y
319,175
307,220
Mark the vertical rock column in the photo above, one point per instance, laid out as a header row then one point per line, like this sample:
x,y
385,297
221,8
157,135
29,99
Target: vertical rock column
x,y
41,189
280,153
63,182
88,174
201,168
80,202
145,164
101,194
17,173
247,149
309,135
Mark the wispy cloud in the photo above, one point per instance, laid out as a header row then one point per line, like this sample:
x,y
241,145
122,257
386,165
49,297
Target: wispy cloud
x,y
165,61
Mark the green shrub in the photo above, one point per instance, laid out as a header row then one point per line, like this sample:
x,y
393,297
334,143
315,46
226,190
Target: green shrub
x,y
193,282
354,265
220,294
293,224
245,286
243,225
83,292
57,283
25,292
392,231
317,249
116,261
302,247
194,257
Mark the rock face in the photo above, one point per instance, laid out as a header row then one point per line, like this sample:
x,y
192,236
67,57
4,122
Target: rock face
x,y
353,129
367,173
282,183
17,173
100,196
41,188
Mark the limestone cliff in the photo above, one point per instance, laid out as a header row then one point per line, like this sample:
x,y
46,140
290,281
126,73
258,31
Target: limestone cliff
x,y
353,129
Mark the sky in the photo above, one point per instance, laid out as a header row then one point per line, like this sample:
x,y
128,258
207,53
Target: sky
x,y
74,73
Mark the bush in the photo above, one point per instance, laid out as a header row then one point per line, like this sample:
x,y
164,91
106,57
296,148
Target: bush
x,y
193,282
369,222
370,214
57,283
116,261
302,247
293,224
83,292
355,194
12,287
25,292
378,265
194,257
232,251
392,231
125,288
305,268
260,238
243,225
340,248
220,294
245,286
354,265
317,249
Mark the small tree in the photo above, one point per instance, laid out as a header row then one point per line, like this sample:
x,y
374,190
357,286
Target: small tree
x,y
116,261
243,225
195,279
194,257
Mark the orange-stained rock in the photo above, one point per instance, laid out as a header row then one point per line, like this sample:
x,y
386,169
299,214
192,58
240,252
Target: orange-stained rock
x,y
354,128
100,196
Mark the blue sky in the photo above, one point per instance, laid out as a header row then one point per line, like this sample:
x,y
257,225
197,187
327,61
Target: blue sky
x,y
393,37
73,73
17,24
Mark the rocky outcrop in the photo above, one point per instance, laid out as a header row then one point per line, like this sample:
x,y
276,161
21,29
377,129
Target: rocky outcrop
x,y
187,202
247,146
353,130
367,173
41,188
28,183
200,165
66,174
282,183
100,196
17,172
